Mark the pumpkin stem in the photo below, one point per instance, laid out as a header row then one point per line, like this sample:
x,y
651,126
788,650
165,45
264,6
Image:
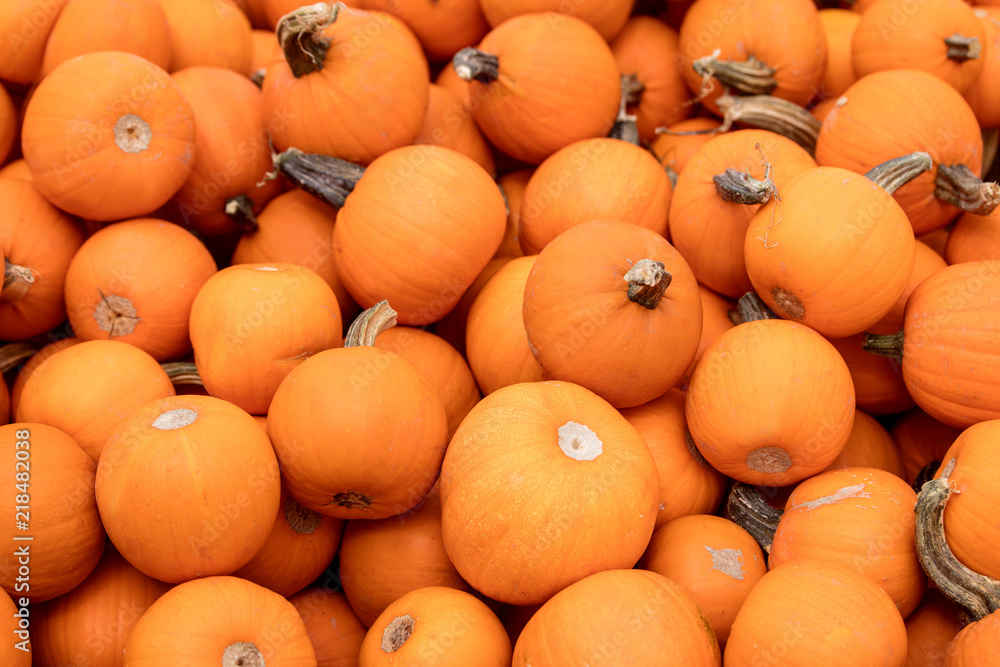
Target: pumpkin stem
x,y
369,324
182,372
751,308
115,315
991,142
301,519
132,133
897,172
977,593
12,354
239,209
470,63
739,187
672,175
258,77
397,632
632,89
300,36
328,178
578,442
242,654
625,127
16,282
885,345
751,512
958,186
647,281
751,77
771,113
963,48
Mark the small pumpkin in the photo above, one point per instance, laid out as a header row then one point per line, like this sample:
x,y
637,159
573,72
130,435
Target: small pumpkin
x,y
930,629
922,442
442,26
981,96
608,18
334,631
32,363
926,261
972,238
839,26
215,34
448,123
675,145
878,382
21,54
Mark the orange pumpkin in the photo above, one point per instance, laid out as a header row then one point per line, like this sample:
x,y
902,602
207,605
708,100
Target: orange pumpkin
x,y
448,123
8,124
173,452
100,149
135,281
225,617
334,631
508,472
878,382
717,314
922,441
19,652
982,96
209,34
513,186
838,25
442,26
930,629
436,625
622,617
50,516
675,146
452,327
925,262
16,169
607,18
31,364
601,300
27,25
976,643
973,238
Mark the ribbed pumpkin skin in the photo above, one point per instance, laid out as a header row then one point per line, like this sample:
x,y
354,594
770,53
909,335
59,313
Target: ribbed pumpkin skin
x,y
878,381
215,34
334,631
976,644
869,446
921,439
981,95
930,629
442,26
926,261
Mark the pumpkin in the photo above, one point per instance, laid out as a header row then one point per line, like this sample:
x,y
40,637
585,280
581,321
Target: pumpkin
x,y
443,365
300,547
674,146
739,50
448,123
942,37
859,134
839,26
326,69
713,559
619,616
717,316
221,194
645,51
878,381
751,422
688,485
133,26
215,34
52,524
262,43
96,617
579,183
88,388
713,205
600,302
334,631
976,643
541,81
981,96
925,262
513,186
37,242
359,432
395,240
930,628
608,18
27,25
16,653
222,617
922,442
817,613
32,363
973,238
16,169
436,625
537,472
442,26
175,452
8,124
98,148
251,324
296,228
135,281
936,239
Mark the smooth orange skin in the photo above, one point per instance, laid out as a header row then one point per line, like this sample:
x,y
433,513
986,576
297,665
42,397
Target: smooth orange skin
x,y
688,485
361,420
869,446
917,43
713,559
838,25
62,517
156,265
625,616
21,53
449,124
921,439
816,613
715,310
529,114
981,96
334,631
452,327
583,328
744,396
878,381
32,363
646,47
88,388
581,182
451,628
608,18
8,124
262,46
930,629
16,169
15,653
215,34
976,644
709,231
859,518
384,559
507,526
674,151
950,339
860,235
96,617
194,622
442,26
973,238
925,262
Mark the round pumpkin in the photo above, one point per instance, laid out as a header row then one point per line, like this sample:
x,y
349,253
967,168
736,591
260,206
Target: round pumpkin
x,y
926,261
878,381
334,631
930,629
839,26
606,17
972,238
870,446
922,441
19,651
981,96
31,364
208,34
27,25
448,123
442,26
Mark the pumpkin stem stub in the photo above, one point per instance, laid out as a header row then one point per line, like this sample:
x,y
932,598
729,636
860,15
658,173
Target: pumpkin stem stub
x,y
632,89
352,500
239,209
885,345
751,308
751,77
182,372
369,324
328,178
116,315
739,187
17,280
175,419
894,174
647,281
397,632
13,354
958,186
132,133
977,593
242,654
752,513
962,48
788,303
769,459
470,63
579,442
771,113
302,520
301,38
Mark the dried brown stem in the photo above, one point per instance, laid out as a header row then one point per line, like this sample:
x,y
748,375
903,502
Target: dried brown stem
x,y
470,63
647,281
328,178
885,345
958,186
771,113
894,174
300,36
239,209
751,511
369,324
17,280
963,48
751,77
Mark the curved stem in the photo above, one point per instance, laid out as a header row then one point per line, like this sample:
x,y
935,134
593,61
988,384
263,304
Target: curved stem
x,y
751,308
977,593
771,113
300,36
17,280
369,324
958,186
328,178
470,63
894,174
752,76
647,281
239,209
884,345
739,187
182,372
752,513
963,48
12,354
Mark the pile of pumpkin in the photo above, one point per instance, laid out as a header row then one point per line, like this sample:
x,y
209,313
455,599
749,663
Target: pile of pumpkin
x,y
479,332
